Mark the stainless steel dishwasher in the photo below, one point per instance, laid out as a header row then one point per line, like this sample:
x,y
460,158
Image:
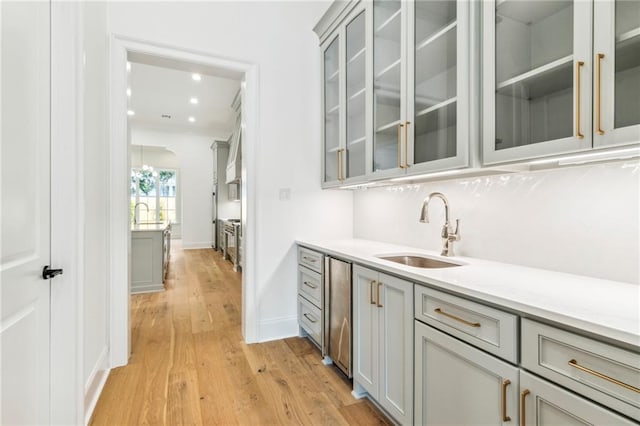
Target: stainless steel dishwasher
x,y
337,313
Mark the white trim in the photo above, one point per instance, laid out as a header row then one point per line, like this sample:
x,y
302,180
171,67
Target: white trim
x,y
278,328
148,288
67,216
95,384
196,245
119,173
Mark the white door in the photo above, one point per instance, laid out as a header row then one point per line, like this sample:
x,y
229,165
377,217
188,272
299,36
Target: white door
x,y
25,213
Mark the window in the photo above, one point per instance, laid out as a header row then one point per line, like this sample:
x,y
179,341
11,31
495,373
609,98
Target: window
x,y
157,190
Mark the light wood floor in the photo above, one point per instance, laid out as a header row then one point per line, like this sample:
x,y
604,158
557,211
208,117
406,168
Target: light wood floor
x,y
190,366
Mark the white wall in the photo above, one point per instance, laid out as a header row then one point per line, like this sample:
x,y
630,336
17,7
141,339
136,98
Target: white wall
x,y
278,37
194,180
96,227
582,220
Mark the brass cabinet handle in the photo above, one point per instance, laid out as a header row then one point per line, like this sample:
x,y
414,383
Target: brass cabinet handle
x,y
523,396
371,284
599,57
310,259
406,144
453,317
308,284
400,126
340,176
505,383
310,318
378,295
573,363
579,65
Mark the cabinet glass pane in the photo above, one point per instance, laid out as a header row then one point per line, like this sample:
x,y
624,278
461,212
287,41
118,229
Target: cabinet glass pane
x,y
356,91
331,110
627,64
387,25
435,80
534,72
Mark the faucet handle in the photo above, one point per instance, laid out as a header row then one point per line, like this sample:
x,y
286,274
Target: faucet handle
x,y
456,233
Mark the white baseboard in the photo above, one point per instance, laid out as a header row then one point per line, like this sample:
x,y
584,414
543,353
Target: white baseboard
x,y
188,245
278,328
95,384
147,288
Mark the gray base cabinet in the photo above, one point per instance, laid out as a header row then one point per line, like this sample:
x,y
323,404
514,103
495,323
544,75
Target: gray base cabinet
x,y
457,384
310,295
544,404
149,260
383,341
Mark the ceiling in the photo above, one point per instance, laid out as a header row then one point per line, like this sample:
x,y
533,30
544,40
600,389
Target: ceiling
x,y
164,87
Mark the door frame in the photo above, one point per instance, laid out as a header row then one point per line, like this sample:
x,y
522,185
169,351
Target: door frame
x,y
67,214
119,139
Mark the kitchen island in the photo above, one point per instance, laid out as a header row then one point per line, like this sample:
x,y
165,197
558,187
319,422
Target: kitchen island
x,y
150,251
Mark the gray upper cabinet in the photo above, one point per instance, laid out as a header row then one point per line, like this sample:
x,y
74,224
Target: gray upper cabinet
x,y
537,79
420,86
559,78
616,85
395,89
346,101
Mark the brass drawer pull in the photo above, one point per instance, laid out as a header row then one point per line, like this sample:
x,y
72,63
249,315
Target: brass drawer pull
x,y
574,363
505,418
308,284
453,317
523,396
378,295
309,259
371,284
310,318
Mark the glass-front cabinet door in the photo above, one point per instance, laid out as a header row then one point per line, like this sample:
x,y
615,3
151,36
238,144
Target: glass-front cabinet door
x,y
346,101
616,72
358,99
438,86
389,86
331,111
537,73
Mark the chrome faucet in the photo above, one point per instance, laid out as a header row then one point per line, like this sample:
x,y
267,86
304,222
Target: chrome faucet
x,y
135,211
448,235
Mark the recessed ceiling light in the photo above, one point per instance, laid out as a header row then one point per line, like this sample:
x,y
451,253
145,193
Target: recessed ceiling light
x,y
129,92
131,112
192,120
194,101
128,66
196,77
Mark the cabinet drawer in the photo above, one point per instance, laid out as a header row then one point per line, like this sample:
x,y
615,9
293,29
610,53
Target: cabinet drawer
x,y
310,318
600,371
310,285
490,329
311,259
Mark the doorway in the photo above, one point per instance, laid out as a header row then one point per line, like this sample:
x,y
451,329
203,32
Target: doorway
x,y
127,51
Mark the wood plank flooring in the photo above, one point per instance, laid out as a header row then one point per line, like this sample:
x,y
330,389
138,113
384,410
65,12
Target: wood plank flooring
x,y
189,364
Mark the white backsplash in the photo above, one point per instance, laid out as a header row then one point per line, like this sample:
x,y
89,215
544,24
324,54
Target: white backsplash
x,y
581,220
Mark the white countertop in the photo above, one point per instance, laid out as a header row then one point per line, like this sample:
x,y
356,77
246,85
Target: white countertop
x,y
149,227
606,308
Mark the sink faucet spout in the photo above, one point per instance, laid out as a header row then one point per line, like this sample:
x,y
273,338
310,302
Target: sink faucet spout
x,y
135,215
448,234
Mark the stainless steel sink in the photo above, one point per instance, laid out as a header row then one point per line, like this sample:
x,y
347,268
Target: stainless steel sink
x,y
419,261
